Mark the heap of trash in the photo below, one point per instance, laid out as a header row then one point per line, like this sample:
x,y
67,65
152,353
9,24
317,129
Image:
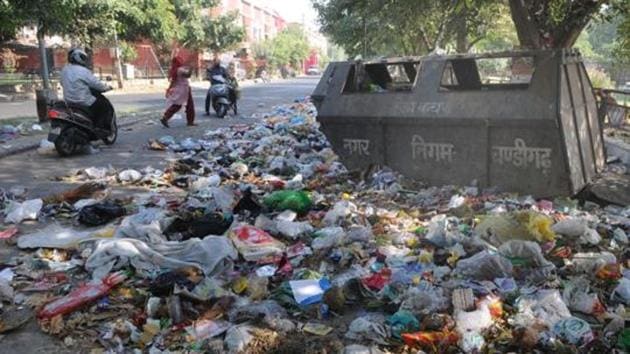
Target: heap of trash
x,y
256,239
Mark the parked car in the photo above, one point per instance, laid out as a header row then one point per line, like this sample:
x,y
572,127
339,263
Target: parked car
x,y
313,70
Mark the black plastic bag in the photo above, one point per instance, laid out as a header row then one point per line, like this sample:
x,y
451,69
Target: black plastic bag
x,y
99,214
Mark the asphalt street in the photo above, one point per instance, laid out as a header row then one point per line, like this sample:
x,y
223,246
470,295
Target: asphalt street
x,y
37,172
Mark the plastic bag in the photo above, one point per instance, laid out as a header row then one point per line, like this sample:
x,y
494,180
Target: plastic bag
x,y
484,266
81,296
53,236
369,327
328,237
99,214
623,290
403,322
238,337
293,229
572,227
255,244
574,330
129,176
592,262
46,147
205,329
298,201
577,297
526,253
424,299
340,211
18,212
544,306
213,255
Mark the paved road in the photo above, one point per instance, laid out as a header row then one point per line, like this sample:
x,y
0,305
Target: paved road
x,y
252,94
36,171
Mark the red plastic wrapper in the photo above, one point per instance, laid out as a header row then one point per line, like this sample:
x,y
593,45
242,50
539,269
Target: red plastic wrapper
x,y
8,233
430,339
377,281
252,235
610,272
81,296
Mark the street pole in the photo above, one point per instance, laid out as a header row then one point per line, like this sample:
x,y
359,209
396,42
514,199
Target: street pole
x,y
41,41
118,63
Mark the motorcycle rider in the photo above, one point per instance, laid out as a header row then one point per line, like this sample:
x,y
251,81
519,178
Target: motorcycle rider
x,y
77,81
216,69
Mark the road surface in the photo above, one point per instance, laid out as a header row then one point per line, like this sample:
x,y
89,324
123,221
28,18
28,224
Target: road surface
x,y
36,172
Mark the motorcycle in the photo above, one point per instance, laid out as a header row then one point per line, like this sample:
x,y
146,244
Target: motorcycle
x,y
72,127
220,97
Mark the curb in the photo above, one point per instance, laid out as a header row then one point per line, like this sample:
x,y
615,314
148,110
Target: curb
x,y
34,146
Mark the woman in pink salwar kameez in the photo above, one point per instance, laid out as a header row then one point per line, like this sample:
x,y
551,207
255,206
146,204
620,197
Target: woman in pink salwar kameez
x,y
179,93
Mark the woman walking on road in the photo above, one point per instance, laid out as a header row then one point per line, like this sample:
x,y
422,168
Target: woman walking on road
x,y
179,92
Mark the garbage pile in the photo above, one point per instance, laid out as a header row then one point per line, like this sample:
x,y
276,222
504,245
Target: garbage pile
x,y
256,239
9,132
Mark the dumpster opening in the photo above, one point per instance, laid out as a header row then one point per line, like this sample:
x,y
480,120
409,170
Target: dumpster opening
x,y
382,77
463,74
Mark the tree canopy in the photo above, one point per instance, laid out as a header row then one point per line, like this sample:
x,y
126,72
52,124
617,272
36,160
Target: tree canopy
x,y
402,27
289,47
405,27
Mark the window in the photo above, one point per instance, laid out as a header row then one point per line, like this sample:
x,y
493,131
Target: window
x,y
487,73
382,77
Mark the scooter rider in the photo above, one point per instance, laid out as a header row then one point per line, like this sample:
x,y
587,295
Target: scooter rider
x,y
77,81
218,70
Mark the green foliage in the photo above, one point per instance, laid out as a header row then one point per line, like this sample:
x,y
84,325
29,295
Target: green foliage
x,y
223,33
599,78
202,32
405,27
128,52
8,21
289,47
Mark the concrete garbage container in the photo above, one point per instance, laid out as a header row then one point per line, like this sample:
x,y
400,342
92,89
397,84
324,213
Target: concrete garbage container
x,y
520,121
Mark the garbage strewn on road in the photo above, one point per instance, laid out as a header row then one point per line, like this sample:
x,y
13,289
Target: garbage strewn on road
x,y
256,239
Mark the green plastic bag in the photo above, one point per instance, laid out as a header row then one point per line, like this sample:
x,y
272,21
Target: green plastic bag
x,y
298,201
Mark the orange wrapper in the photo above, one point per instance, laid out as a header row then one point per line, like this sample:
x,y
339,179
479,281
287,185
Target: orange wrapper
x,y
430,339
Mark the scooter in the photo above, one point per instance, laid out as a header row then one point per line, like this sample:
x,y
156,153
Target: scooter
x,y
219,96
72,127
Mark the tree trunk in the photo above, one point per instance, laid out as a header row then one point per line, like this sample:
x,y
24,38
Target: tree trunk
x,y
525,28
90,53
536,30
119,74
43,58
462,32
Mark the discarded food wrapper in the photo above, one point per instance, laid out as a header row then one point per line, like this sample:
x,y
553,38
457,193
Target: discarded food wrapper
x,y
255,244
317,329
8,233
81,296
574,330
309,291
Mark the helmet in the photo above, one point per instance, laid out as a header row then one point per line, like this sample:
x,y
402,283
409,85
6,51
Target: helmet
x,y
77,56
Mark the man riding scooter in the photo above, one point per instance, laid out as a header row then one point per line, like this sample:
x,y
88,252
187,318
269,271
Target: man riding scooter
x,y
85,115
218,75
78,82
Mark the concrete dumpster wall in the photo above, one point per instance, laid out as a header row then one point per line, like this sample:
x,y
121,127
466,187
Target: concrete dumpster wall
x,y
543,138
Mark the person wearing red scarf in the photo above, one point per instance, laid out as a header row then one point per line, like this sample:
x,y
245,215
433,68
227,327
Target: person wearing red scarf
x,y
179,92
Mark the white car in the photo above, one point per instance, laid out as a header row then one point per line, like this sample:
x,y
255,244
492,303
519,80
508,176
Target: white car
x,y
313,71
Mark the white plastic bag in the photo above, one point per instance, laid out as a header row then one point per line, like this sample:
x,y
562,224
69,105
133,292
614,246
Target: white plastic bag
x,y
28,210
